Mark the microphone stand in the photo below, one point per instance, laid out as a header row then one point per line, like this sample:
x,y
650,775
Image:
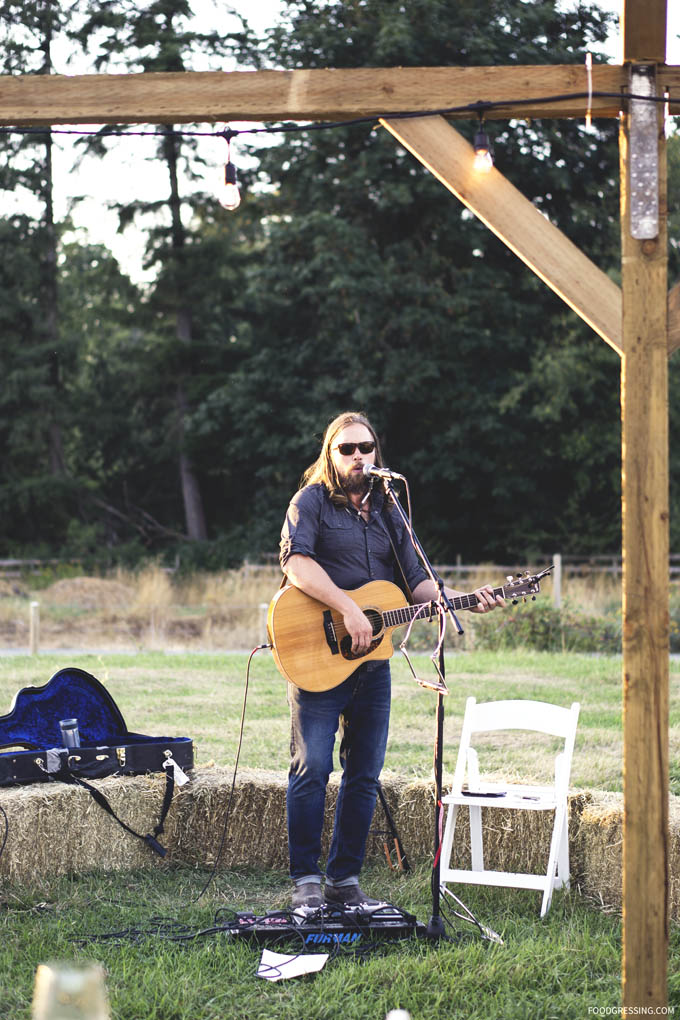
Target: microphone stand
x,y
435,926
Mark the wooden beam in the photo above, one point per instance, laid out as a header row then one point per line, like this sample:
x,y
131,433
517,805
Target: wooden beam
x,y
645,506
320,94
674,318
643,28
492,198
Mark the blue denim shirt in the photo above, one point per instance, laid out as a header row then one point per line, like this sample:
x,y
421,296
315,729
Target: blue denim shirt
x,y
351,550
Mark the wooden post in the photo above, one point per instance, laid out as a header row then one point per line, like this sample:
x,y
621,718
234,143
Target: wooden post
x,y
644,405
264,636
557,580
34,628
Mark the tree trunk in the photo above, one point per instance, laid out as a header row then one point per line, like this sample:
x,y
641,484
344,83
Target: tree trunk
x,y
194,515
49,288
191,493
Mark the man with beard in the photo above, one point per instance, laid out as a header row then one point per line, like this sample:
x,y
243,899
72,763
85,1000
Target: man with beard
x,y
336,538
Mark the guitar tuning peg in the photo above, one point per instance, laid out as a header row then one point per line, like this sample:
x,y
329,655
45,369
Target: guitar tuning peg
x,y
533,598
508,577
514,602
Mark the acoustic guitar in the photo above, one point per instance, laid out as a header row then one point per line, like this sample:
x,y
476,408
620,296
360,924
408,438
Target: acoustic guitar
x,y
311,646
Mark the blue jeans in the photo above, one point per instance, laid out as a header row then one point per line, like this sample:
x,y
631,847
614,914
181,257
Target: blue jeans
x,y
360,707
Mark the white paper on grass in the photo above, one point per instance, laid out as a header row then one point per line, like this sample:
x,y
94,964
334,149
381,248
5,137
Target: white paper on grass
x,y
277,966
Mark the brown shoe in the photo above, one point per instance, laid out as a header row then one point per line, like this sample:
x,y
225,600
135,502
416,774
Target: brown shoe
x,y
349,896
307,894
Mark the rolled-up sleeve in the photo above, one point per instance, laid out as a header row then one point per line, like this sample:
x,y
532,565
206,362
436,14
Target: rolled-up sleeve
x,y
301,527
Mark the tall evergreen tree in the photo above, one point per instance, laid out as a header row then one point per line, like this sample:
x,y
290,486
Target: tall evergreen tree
x,y
36,484
376,289
28,31
159,36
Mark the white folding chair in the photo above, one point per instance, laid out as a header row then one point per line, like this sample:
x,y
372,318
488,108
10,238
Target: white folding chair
x,y
469,791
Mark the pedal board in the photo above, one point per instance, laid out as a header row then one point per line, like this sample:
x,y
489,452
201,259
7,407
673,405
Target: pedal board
x,y
327,925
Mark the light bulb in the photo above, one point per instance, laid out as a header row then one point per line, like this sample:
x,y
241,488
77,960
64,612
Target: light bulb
x,y
230,196
483,160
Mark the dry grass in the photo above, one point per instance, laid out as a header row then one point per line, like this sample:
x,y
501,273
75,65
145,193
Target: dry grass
x,y
149,609
598,594
153,609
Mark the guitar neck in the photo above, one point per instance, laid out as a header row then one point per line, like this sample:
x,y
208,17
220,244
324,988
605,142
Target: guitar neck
x,y
397,617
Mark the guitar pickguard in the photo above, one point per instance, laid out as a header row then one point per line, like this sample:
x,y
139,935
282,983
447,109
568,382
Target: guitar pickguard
x,y
346,648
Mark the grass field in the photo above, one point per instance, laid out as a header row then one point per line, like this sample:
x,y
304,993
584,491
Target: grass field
x,y
559,968
201,696
566,967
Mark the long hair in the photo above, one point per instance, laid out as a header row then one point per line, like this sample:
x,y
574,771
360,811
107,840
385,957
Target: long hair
x,y
323,470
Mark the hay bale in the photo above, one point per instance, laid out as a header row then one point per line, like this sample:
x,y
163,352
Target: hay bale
x,y
256,831
600,837
56,829
256,834
513,840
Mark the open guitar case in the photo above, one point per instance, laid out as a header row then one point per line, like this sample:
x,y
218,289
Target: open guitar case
x,y
34,733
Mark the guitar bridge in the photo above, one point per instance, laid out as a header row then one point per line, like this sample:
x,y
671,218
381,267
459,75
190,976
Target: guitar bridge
x,y
329,631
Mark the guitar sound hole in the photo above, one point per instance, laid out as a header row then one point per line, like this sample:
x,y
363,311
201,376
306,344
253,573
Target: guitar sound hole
x,y
375,619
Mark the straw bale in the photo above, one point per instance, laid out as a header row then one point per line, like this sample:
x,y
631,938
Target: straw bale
x,y
600,838
414,818
256,834
57,829
513,840
256,830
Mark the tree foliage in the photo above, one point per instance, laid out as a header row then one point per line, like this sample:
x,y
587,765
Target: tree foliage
x,y
378,290
348,278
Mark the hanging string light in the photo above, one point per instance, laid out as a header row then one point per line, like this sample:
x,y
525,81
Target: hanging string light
x,y
483,160
228,189
229,195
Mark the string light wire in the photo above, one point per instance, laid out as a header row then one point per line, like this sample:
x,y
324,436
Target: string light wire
x,y
478,109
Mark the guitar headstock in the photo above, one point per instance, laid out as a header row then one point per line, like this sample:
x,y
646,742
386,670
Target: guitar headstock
x,y
524,584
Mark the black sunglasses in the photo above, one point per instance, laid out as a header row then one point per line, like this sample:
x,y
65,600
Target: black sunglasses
x,y
347,449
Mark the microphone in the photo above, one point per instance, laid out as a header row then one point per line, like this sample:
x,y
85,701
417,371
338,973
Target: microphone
x,y
381,472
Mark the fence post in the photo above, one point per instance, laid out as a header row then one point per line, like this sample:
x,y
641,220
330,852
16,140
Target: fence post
x,y
557,580
264,637
34,628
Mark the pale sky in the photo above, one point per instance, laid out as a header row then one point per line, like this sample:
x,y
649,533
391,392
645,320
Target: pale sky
x,y
133,172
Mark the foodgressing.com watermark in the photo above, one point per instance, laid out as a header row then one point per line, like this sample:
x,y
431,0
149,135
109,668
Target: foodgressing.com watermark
x,y
631,1010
